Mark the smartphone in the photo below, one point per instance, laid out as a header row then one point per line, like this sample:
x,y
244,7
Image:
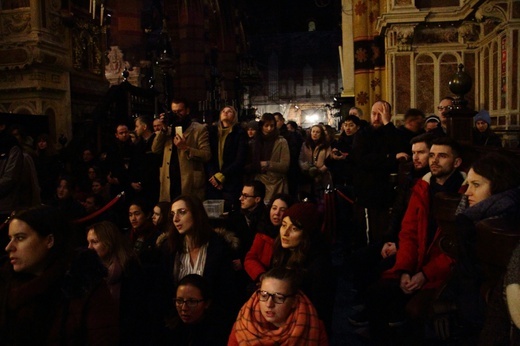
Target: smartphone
x,y
178,130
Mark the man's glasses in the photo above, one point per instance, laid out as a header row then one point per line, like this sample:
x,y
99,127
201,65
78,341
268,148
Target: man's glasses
x,y
278,298
246,196
189,302
181,212
442,108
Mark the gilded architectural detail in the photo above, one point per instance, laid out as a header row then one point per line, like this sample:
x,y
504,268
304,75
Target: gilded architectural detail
x,y
86,47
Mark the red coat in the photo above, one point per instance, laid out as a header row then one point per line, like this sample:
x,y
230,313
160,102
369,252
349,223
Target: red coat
x,y
258,258
414,254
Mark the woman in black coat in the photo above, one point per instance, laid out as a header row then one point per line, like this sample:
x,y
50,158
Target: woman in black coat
x,y
228,145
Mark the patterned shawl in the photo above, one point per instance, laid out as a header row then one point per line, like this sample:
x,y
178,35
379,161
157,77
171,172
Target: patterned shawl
x,y
302,328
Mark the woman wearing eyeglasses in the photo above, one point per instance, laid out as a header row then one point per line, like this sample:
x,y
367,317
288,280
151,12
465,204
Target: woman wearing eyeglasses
x,y
195,248
195,320
278,314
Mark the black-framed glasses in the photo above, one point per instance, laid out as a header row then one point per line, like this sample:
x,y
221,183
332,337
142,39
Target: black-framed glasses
x,y
181,212
278,298
189,302
448,108
246,196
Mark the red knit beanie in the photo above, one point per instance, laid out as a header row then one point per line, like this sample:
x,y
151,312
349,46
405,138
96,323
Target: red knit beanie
x,y
305,215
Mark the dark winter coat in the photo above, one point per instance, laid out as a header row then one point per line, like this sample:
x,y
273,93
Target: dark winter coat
x,y
69,304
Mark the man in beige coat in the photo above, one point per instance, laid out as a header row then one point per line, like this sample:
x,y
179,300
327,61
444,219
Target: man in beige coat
x,y
184,154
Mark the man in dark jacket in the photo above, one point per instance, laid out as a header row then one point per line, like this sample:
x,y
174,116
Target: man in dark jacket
x,y
375,155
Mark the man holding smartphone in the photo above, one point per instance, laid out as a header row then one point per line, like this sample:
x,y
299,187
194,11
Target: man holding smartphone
x,y
185,150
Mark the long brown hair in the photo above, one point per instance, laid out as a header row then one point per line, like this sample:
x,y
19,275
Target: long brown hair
x,y
164,222
292,258
117,245
201,230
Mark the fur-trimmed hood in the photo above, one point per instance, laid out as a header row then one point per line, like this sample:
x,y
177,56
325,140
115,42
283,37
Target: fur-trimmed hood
x,y
229,237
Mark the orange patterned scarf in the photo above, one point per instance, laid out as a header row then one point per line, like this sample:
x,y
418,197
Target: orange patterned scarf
x,y
302,328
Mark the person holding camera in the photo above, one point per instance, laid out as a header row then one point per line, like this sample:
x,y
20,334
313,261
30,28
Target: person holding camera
x,y
185,151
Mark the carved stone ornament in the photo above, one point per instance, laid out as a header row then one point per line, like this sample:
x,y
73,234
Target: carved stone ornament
x,y
86,47
116,65
405,35
469,32
15,23
492,11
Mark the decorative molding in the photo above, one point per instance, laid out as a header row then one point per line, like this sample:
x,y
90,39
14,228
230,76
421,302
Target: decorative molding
x,y
433,35
492,11
469,32
405,35
17,22
18,106
86,47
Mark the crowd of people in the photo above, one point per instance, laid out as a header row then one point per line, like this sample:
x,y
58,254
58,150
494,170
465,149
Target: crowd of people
x,y
117,248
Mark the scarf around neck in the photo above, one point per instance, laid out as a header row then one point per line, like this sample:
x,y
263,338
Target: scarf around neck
x,y
500,204
303,326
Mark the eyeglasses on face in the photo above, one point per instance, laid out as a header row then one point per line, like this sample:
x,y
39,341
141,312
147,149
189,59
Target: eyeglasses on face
x,y
448,108
278,298
181,212
189,302
246,196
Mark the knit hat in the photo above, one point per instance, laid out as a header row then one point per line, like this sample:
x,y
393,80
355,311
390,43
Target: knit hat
x,y
305,215
252,125
482,115
431,119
